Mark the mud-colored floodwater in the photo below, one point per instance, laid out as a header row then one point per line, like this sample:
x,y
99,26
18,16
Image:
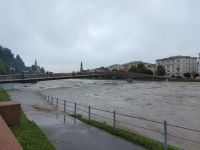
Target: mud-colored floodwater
x,y
177,103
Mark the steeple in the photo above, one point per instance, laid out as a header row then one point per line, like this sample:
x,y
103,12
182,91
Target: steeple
x,y
35,62
81,68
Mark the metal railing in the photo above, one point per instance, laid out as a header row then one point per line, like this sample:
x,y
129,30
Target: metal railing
x,y
120,120
22,76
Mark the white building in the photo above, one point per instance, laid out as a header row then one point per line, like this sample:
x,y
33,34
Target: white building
x,y
199,64
178,65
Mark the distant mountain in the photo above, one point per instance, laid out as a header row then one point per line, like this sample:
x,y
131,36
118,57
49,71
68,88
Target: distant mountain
x,y
11,64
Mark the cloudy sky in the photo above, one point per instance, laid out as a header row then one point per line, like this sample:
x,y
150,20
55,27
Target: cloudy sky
x,y
62,33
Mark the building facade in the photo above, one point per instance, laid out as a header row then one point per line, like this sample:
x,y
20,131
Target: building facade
x,y
199,64
178,65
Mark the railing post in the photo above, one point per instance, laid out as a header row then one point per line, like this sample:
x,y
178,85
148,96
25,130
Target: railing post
x,y
89,112
75,108
64,110
114,118
165,136
64,106
51,100
48,99
57,104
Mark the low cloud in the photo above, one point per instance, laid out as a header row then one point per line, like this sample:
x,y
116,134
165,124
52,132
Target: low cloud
x,y
61,33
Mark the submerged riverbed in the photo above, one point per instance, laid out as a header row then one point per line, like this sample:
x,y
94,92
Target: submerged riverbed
x,y
178,103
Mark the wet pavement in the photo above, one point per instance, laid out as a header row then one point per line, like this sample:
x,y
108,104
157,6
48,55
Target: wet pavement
x,y
71,135
75,135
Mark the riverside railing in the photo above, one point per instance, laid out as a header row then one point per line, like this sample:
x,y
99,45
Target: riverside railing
x,y
129,123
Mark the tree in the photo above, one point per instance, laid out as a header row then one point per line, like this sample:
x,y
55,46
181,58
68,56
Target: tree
x,y
133,69
9,64
33,69
19,65
42,70
160,70
187,75
3,68
196,75
140,69
115,70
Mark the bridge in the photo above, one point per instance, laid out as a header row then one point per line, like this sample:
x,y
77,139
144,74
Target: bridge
x,y
33,78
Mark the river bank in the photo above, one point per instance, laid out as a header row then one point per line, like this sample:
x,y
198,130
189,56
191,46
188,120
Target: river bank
x,y
28,133
71,134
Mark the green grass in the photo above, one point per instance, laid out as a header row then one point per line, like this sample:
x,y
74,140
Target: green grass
x,y
3,95
28,133
145,142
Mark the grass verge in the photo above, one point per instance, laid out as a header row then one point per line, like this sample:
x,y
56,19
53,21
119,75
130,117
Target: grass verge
x,y
145,142
28,134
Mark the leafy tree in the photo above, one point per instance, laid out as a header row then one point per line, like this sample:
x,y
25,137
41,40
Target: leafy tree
x,y
34,68
196,75
19,65
42,70
115,70
160,70
187,75
9,64
140,69
133,69
3,68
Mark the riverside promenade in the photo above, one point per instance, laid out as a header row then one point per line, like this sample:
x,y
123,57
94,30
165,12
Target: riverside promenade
x,y
71,135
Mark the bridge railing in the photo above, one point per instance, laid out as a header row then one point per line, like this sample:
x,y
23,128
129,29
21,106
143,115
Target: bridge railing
x,y
21,76
163,131
43,75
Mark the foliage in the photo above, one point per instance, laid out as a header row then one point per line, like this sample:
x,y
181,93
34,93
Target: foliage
x,y
28,134
3,67
187,75
140,69
9,64
160,70
196,75
3,95
42,70
115,70
133,69
19,64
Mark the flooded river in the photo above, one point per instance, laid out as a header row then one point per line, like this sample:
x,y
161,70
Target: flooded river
x,y
177,103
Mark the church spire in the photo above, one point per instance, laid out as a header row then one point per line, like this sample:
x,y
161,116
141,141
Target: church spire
x,y
35,62
81,68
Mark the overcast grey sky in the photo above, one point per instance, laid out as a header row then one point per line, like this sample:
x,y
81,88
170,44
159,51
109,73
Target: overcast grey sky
x,y
61,33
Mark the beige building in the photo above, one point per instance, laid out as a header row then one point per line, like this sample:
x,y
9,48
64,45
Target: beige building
x,y
178,65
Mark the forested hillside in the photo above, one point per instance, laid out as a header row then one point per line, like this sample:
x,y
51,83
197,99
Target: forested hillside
x,y
11,64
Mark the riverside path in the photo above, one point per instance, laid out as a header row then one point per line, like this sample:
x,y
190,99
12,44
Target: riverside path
x,y
71,135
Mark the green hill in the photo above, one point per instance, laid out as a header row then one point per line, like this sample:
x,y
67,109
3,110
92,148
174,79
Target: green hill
x,y
11,64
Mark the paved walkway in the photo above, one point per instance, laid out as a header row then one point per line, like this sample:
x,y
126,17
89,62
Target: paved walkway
x,y
73,135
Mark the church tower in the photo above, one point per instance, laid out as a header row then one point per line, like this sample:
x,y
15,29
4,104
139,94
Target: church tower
x,y
35,62
81,68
